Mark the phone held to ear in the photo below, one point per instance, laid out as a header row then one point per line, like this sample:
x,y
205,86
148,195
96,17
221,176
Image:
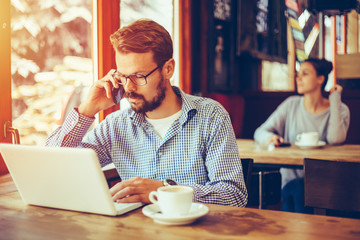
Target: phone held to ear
x,y
117,94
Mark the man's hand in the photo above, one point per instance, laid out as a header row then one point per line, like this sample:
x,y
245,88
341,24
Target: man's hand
x,y
99,96
136,189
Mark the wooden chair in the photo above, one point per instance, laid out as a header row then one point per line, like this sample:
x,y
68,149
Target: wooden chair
x,y
265,189
247,164
332,187
260,193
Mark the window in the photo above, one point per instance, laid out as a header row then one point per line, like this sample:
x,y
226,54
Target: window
x,y
53,56
51,63
274,76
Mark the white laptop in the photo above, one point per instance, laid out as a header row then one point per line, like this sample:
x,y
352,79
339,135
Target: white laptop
x,y
65,178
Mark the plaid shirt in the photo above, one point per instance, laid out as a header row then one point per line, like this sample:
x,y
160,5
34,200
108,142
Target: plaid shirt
x,y
198,150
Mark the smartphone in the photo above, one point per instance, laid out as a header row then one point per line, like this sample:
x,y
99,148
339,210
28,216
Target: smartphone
x,y
117,94
284,144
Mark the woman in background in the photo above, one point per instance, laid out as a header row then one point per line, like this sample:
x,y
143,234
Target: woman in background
x,y
311,112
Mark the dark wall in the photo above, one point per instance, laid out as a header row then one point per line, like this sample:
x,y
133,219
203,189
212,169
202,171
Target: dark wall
x,y
352,99
237,87
258,107
227,53
251,109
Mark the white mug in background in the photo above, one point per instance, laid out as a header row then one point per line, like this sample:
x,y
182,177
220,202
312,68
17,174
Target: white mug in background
x,y
173,201
308,138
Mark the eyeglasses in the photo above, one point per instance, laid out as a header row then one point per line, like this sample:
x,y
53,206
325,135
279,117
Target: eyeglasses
x,y
137,79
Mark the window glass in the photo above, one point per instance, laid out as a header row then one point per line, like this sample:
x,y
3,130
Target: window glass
x,y
50,63
274,76
161,11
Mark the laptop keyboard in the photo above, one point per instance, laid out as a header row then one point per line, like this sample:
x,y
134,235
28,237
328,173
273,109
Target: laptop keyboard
x,y
126,207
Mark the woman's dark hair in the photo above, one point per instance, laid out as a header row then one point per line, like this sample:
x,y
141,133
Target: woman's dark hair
x,y
322,67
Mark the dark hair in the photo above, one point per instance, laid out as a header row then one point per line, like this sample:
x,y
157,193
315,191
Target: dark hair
x,y
143,36
322,67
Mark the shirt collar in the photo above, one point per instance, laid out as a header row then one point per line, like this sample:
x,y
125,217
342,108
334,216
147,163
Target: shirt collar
x,y
188,107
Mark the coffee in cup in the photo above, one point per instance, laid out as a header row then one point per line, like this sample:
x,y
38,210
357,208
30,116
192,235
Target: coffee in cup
x,y
173,201
308,138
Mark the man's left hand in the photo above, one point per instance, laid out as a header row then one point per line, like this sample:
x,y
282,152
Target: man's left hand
x,y
136,189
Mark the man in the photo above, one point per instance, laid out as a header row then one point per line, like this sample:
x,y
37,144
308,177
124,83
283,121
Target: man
x,y
167,136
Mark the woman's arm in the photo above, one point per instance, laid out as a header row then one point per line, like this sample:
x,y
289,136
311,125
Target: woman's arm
x,y
339,118
272,130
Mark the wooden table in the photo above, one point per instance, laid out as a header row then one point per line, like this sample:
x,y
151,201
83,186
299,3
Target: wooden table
x,y
20,221
294,155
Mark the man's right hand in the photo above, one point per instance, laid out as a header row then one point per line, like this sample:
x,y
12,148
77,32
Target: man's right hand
x,y
99,96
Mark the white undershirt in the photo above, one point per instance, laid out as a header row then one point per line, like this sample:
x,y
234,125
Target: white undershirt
x,y
161,126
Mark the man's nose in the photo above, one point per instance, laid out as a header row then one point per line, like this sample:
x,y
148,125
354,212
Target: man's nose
x,y
129,86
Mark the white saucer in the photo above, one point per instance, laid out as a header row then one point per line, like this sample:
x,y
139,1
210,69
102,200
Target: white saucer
x,y
304,146
197,210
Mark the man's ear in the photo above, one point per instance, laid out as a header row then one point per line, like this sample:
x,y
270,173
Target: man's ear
x,y
169,68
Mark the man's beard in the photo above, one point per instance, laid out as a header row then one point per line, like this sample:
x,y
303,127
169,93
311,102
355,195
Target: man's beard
x,y
148,106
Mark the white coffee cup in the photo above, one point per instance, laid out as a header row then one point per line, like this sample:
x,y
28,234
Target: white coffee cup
x,y
308,138
173,201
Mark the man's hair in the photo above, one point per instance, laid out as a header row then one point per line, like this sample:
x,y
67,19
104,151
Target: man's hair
x,y
143,36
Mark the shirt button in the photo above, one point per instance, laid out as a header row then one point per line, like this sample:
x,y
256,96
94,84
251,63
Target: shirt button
x,y
79,125
160,154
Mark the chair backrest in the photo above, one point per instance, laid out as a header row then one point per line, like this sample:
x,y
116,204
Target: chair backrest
x,y
332,185
247,164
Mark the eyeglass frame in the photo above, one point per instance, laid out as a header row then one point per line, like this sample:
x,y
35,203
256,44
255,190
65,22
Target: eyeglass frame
x,y
136,75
